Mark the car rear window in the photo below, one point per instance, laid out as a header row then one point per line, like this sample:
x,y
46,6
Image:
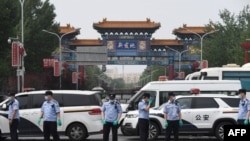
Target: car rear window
x,y
232,102
204,102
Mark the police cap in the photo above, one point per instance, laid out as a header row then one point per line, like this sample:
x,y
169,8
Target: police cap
x,y
48,93
146,95
242,91
171,94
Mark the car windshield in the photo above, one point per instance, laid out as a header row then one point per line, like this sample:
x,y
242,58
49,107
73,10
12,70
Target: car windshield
x,y
162,106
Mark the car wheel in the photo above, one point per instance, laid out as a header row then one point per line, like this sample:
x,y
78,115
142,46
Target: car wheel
x,y
219,130
154,131
77,132
124,132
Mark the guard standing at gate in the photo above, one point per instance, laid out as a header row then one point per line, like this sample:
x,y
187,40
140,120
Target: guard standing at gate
x,y
173,117
143,121
244,108
111,114
13,116
50,113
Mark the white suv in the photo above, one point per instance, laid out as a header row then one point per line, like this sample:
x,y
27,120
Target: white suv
x,y
203,114
80,113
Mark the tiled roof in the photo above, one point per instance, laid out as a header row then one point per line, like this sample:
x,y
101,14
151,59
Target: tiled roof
x,y
87,42
126,24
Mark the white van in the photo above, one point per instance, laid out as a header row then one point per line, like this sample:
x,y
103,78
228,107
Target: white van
x,y
80,113
158,90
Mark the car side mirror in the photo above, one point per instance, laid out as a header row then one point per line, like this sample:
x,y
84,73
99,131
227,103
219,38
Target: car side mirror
x,y
4,106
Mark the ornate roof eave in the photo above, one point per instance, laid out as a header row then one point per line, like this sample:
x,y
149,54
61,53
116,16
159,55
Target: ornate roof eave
x,y
69,29
166,42
126,26
86,42
191,31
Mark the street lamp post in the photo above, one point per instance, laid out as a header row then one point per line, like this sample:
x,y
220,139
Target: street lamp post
x,y
179,54
60,54
23,55
201,41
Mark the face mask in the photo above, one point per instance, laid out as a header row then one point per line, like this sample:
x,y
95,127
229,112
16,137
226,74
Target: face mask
x,y
173,98
46,97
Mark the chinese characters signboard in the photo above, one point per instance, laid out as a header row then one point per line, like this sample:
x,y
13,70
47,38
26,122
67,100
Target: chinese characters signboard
x,y
15,54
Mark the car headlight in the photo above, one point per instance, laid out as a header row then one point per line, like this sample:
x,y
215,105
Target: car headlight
x,y
131,115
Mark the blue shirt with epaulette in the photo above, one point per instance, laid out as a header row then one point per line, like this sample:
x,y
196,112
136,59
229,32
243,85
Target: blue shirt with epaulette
x,y
50,110
14,105
172,109
244,107
142,112
111,110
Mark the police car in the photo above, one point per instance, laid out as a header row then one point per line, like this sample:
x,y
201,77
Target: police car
x,y
202,114
80,113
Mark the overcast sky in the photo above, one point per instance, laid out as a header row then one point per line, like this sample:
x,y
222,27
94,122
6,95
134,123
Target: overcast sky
x,y
170,13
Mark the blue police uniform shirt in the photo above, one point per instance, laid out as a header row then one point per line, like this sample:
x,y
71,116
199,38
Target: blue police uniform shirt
x,y
111,110
142,112
50,110
244,107
12,107
172,109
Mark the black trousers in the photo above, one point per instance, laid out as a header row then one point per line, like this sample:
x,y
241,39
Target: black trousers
x,y
13,130
50,128
143,129
173,125
106,131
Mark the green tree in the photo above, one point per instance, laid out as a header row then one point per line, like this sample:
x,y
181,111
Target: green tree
x,y
38,15
92,77
118,83
152,72
223,47
8,21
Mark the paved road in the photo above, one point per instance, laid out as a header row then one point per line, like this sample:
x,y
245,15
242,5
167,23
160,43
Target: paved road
x,y
123,138
128,138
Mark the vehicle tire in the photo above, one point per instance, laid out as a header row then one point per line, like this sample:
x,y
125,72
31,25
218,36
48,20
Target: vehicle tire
x,y
154,131
77,132
219,130
124,132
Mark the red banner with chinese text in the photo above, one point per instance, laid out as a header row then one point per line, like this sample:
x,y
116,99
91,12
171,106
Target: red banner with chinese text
x,y
56,68
15,54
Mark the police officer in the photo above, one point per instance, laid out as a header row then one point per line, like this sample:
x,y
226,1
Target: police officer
x,y
173,117
143,121
50,113
13,116
111,114
244,108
